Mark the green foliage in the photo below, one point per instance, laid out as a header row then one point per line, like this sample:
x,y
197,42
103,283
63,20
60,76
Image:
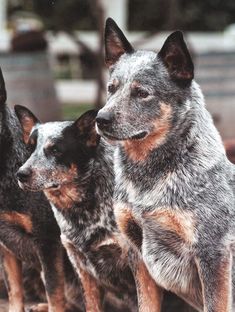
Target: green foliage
x,y
72,112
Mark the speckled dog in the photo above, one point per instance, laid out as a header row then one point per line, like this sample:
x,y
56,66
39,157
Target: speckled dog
x,y
174,197
28,229
75,171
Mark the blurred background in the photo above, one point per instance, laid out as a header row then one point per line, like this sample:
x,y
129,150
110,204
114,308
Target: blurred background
x,y
51,52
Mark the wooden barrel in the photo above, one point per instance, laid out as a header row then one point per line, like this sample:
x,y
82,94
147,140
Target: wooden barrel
x,y
29,82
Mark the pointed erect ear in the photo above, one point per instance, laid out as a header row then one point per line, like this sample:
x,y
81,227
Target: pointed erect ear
x,y
3,93
85,125
116,43
27,120
177,59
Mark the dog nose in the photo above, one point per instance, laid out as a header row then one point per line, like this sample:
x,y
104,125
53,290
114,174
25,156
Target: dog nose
x,y
104,119
23,175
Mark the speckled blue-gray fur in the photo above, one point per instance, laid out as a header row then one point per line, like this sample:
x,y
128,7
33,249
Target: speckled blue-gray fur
x,y
28,230
173,178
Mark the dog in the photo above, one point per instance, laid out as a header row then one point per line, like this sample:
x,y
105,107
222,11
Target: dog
x,y
28,230
74,167
174,193
75,171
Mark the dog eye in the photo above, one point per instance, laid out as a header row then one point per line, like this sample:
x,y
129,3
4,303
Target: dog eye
x,y
111,88
142,93
53,151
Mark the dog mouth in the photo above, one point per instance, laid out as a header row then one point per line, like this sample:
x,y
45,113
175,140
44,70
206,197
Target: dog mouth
x,y
54,187
27,187
139,136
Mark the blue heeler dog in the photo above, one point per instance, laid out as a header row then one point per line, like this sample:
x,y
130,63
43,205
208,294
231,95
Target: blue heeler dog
x,y
74,168
174,196
28,230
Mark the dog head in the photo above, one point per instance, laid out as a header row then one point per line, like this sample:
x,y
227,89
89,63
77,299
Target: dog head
x,y
146,90
60,151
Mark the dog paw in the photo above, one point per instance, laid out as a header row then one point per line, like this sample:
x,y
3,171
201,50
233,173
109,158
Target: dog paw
x,y
41,307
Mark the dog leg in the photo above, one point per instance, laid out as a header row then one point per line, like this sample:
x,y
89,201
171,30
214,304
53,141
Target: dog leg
x,y
216,279
91,290
51,258
149,294
13,278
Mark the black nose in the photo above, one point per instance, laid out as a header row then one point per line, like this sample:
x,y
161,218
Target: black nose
x,y
23,175
104,119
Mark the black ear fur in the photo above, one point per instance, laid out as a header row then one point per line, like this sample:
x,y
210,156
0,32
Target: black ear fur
x,y
116,43
176,57
85,125
26,119
3,93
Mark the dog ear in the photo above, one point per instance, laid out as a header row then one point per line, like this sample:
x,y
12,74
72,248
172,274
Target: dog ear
x,y
27,120
177,59
116,43
3,93
85,125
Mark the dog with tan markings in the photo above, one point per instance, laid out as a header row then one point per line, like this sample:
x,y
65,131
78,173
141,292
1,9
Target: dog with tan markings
x,y
174,193
28,230
74,167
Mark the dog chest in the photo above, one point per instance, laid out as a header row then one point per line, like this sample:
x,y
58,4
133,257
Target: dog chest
x,y
172,267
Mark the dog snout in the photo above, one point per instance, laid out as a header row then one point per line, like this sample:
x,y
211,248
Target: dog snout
x,y
104,119
23,175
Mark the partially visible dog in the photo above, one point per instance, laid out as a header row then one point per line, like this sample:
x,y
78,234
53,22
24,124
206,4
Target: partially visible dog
x,y
28,230
174,197
75,171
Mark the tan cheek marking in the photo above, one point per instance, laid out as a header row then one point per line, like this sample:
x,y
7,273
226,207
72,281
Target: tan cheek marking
x,y
64,197
67,194
20,219
149,294
181,223
138,150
